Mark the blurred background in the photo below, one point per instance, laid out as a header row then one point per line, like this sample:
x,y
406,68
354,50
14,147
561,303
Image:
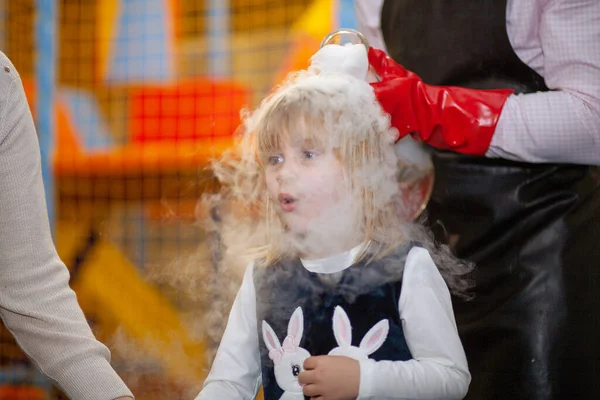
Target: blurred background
x,y
131,99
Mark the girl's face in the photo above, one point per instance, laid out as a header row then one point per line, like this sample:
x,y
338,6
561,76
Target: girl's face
x,y
306,185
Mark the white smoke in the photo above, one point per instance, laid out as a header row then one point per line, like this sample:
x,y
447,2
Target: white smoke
x,y
334,108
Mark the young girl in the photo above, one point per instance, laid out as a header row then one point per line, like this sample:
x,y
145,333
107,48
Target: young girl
x,y
342,298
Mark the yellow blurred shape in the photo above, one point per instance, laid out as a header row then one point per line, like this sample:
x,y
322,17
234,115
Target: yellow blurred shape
x,y
316,20
110,288
307,33
107,14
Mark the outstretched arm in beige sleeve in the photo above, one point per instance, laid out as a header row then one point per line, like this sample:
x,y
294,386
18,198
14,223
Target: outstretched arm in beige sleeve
x,y
36,302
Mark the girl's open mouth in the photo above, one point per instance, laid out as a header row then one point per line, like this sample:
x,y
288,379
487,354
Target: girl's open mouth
x,y
287,202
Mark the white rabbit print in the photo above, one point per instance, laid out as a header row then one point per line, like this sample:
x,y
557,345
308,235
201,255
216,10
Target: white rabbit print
x,y
342,330
288,357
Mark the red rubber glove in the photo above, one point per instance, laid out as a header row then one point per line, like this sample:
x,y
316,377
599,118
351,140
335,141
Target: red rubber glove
x,y
446,117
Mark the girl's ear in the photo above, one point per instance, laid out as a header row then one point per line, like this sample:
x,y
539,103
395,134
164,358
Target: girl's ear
x,y
342,329
270,338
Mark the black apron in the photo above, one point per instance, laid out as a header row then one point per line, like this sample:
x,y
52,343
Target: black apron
x,y
533,329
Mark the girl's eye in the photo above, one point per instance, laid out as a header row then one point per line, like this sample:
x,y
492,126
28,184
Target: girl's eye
x,y
309,155
274,160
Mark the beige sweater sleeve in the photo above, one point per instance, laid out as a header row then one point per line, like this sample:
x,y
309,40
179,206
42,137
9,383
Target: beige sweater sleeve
x,y
36,302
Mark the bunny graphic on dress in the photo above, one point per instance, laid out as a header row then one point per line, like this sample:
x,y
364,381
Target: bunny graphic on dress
x,y
288,357
342,330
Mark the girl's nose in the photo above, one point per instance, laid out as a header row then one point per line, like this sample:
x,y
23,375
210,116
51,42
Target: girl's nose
x,y
286,173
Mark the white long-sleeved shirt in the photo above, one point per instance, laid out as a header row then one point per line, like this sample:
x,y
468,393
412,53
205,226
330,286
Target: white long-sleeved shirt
x,y
438,369
560,40
36,303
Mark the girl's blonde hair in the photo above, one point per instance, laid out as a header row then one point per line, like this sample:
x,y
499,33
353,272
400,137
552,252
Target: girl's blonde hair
x,y
334,112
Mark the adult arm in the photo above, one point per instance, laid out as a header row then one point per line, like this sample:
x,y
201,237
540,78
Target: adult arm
x,y
36,303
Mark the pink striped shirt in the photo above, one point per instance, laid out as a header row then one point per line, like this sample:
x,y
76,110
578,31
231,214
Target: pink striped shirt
x,y
560,40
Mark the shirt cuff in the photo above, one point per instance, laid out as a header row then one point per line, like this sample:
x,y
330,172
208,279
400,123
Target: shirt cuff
x,y
92,379
365,388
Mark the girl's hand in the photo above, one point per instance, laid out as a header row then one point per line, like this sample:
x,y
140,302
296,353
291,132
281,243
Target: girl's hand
x,y
330,378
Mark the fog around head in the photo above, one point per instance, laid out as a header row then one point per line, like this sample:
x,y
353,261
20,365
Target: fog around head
x,y
328,113
326,110
329,110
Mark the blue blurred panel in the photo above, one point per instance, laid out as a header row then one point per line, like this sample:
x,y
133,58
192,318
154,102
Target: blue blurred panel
x,y
219,27
142,51
45,83
88,120
24,375
346,14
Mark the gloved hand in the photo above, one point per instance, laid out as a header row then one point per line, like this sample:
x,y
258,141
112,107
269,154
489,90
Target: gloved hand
x,y
446,117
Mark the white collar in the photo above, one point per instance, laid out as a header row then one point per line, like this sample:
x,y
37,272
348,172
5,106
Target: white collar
x,y
334,263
